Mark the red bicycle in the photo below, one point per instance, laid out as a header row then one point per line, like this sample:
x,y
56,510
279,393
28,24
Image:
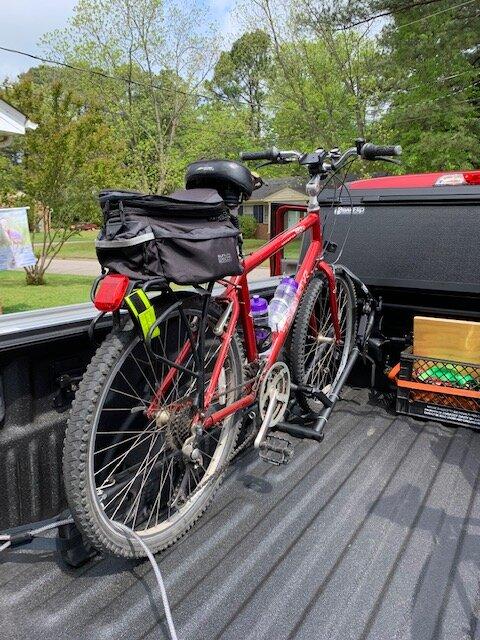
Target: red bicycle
x,y
156,419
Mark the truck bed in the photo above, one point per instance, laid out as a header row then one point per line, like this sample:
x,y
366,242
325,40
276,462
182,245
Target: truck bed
x,y
372,534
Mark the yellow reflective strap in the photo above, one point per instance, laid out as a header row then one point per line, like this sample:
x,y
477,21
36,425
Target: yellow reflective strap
x,y
143,312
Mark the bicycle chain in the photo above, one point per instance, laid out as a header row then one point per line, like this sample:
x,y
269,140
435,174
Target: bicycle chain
x,y
252,368
241,447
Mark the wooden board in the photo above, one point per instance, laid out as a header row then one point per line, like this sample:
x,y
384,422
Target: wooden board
x,y
448,339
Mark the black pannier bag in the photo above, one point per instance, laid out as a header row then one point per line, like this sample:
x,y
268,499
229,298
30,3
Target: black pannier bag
x,y
186,238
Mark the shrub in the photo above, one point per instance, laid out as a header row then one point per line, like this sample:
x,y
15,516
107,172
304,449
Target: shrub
x,y
248,226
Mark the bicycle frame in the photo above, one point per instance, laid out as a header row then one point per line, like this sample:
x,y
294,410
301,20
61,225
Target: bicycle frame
x,y
238,297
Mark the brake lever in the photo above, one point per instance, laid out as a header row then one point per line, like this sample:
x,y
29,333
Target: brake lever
x,y
388,159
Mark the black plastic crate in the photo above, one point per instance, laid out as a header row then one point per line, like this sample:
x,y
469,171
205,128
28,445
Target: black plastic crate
x,y
437,389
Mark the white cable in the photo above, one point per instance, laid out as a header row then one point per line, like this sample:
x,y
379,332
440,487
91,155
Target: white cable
x,y
34,532
131,532
158,575
52,525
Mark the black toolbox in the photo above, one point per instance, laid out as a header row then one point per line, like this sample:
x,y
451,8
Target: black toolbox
x,y
424,239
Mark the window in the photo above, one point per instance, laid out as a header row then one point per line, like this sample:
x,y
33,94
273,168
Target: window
x,y
258,213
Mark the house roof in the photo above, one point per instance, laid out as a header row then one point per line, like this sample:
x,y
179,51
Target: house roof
x,y
291,187
12,122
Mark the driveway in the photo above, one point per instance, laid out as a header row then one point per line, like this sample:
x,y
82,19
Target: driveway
x,y
92,268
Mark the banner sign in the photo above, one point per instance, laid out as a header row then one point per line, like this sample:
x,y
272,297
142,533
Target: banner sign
x,y
15,245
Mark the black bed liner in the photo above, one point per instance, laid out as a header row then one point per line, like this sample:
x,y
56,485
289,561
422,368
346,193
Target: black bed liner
x,y
373,534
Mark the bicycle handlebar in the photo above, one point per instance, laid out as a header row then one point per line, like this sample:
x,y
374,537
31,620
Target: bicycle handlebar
x,y
365,150
371,151
269,154
272,155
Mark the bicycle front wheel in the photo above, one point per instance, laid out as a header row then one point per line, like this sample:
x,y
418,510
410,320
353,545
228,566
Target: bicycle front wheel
x,y
317,360
123,460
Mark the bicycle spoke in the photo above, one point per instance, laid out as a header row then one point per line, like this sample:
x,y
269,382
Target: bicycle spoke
x,y
129,395
142,372
137,442
110,446
145,475
155,482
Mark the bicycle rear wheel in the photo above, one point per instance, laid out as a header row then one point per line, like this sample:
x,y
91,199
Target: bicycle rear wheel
x,y
123,459
316,359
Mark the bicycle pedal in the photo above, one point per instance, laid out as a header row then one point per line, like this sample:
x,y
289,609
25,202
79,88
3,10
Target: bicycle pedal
x,y
276,450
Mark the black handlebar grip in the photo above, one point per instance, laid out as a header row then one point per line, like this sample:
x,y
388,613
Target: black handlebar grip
x,y
373,151
268,154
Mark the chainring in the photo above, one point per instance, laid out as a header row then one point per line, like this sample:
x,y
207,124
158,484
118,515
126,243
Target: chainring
x,y
276,381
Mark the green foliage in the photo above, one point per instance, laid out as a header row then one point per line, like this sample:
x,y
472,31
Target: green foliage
x,y
433,109
162,52
241,74
57,290
64,162
311,105
248,226
68,158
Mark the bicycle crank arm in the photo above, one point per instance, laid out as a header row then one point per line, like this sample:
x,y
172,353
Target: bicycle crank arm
x,y
266,421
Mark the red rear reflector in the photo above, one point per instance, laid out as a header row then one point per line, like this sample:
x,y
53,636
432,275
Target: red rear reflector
x,y
110,292
472,177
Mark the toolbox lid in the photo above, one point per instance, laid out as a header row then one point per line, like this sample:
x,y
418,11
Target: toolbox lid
x,y
439,179
439,187
407,232
373,192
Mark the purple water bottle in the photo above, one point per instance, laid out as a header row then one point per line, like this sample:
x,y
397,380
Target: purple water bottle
x,y
259,310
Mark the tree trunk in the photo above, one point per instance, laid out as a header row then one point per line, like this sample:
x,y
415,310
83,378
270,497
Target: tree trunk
x,y
35,275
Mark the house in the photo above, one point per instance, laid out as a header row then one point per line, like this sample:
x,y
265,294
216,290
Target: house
x,y
12,122
272,194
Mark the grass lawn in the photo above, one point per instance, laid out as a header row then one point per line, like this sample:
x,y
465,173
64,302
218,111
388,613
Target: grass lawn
x,y
81,245
81,236
15,295
292,250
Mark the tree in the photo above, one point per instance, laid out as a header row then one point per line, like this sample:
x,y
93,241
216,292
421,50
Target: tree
x,y
322,87
64,162
159,56
433,103
241,75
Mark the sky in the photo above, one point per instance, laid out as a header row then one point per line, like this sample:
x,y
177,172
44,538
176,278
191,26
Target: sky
x,y
24,22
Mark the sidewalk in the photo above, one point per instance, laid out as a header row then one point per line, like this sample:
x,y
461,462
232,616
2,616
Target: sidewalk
x,y
92,268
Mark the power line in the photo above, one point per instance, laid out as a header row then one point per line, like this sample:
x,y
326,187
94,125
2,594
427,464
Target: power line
x,y
435,13
385,14
408,105
428,101
108,76
408,7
